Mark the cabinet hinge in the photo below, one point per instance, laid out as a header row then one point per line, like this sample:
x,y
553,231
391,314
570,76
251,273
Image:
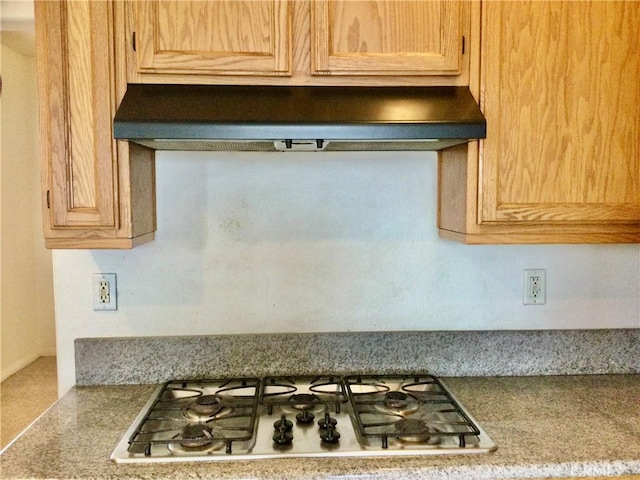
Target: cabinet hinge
x,y
133,41
463,44
48,199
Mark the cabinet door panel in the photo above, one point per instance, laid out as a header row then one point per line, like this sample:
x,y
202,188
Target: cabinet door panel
x,y
97,193
78,111
216,37
378,37
561,90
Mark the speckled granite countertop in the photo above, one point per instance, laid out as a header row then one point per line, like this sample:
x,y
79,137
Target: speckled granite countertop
x,y
549,426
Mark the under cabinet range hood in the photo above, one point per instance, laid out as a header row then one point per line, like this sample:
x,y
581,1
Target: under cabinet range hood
x,y
297,118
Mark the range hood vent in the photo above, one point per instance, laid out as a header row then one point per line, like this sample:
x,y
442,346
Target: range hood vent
x,y
297,118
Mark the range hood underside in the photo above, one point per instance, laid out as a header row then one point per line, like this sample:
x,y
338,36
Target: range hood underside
x,y
297,118
298,146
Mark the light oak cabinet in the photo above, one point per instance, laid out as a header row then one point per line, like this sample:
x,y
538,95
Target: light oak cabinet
x,y
97,193
100,193
301,41
559,85
386,38
224,37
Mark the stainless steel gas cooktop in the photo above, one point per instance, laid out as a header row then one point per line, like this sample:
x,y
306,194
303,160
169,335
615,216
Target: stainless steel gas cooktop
x,y
324,416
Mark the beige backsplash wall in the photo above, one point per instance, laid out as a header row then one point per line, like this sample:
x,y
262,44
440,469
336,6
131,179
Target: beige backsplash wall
x,y
321,242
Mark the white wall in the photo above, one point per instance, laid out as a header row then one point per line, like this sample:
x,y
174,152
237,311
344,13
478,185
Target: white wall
x,y
325,242
27,315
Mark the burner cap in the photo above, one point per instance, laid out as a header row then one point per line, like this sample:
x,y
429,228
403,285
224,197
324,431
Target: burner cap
x,y
196,436
206,405
396,399
413,426
303,401
416,430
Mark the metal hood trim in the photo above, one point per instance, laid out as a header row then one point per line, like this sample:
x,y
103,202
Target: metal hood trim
x,y
175,117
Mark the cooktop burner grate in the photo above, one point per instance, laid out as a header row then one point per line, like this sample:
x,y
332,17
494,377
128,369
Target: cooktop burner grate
x,y
196,417
411,409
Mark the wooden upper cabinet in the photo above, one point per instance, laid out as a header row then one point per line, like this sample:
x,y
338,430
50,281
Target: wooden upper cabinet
x,y
561,92
379,37
94,195
560,87
312,42
77,111
222,37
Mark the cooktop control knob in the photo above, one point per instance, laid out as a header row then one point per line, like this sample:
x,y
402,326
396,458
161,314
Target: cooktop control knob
x,y
329,434
283,423
282,434
326,421
305,417
283,438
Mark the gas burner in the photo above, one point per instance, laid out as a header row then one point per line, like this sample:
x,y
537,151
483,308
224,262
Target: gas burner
x,y
303,401
196,436
416,431
206,405
205,408
194,439
397,403
396,400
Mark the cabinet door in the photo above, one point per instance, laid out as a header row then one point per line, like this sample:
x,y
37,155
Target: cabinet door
x,y
75,108
560,88
97,193
222,37
559,85
379,37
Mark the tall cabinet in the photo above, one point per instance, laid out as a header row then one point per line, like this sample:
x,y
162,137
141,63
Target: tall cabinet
x,y
97,193
559,84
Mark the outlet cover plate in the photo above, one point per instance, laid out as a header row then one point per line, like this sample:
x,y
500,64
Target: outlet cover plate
x,y
105,292
535,286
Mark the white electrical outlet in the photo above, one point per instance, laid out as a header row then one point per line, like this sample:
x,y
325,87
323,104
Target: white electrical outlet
x,y
535,286
105,291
